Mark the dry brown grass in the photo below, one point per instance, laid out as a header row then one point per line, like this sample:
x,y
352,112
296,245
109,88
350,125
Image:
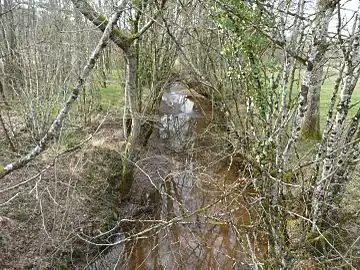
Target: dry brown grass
x,y
40,219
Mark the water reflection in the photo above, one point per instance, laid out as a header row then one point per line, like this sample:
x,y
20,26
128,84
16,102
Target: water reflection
x,y
176,113
216,209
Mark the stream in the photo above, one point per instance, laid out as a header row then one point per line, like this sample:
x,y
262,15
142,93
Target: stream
x,y
203,217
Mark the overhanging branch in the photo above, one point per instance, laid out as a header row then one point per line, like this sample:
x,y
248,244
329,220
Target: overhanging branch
x,y
121,39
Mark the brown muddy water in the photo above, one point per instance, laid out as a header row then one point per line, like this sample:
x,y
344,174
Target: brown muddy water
x,y
201,206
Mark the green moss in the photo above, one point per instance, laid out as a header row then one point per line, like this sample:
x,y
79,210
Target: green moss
x,y
311,135
286,176
289,176
2,169
102,18
126,182
117,32
73,138
55,110
111,96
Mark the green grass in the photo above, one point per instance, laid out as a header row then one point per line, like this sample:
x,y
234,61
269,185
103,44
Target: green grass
x,y
112,96
306,147
327,89
325,96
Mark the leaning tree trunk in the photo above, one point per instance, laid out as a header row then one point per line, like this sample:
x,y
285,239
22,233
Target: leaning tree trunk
x,y
131,120
127,43
63,112
135,131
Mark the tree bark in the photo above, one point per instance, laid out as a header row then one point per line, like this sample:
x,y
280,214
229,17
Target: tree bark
x,y
324,11
326,188
311,124
131,96
127,42
7,133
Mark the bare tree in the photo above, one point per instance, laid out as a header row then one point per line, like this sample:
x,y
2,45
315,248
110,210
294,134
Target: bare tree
x,y
127,42
245,191
56,124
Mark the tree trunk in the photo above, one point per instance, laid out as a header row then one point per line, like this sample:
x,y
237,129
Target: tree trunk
x,y
136,134
327,187
311,123
132,107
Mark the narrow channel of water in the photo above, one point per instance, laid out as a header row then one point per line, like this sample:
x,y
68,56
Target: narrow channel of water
x,y
201,186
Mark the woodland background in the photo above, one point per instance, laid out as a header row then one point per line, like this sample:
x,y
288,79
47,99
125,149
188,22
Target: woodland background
x,y
80,87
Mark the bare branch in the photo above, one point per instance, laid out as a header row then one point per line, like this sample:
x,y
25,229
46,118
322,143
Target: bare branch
x,y
9,10
63,112
145,27
117,35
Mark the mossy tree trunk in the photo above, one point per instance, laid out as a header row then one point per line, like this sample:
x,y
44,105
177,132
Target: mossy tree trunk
x,y
336,165
132,105
134,131
311,123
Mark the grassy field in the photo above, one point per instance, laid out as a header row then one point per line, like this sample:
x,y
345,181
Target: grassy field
x,y
325,96
112,96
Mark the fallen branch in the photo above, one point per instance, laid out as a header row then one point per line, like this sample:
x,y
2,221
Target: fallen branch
x,y
66,151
